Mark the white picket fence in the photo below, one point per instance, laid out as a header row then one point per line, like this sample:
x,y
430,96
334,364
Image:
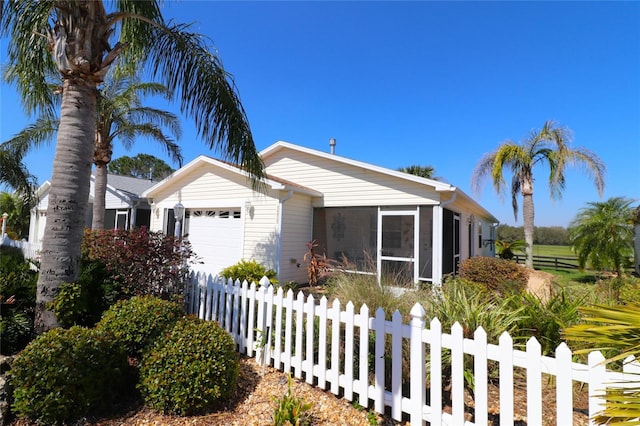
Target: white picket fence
x,y
328,346
29,250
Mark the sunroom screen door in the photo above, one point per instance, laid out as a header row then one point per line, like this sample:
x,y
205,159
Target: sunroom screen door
x,y
398,247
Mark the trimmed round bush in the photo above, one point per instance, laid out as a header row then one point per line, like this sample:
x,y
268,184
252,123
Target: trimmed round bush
x,y
66,374
136,322
496,274
190,369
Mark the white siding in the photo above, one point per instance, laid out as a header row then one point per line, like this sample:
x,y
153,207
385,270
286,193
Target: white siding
x,y
203,188
348,185
295,234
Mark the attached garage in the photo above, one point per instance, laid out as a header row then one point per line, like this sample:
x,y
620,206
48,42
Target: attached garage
x,y
216,236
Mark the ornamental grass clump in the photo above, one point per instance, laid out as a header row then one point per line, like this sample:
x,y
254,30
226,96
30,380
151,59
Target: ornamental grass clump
x,y
138,321
67,374
190,368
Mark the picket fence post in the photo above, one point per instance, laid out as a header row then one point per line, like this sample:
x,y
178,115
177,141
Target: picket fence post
x,y
435,371
564,385
417,365
534,382
299,309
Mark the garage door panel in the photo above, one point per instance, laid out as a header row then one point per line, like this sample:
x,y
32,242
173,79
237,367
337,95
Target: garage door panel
x,y
216,237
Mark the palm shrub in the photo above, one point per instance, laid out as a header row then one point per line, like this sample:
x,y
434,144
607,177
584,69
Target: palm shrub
x,y
616,331
472,306
250,271
138,321
545,317
66,374
190,368
17,299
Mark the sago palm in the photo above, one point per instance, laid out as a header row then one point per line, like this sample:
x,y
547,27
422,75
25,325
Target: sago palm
x,y
601,234
617,329
77,40
551,144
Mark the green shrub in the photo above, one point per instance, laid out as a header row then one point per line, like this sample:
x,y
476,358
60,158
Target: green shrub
x,y
83,302
190,369
497,274
17,300
249,270
66,374
138,321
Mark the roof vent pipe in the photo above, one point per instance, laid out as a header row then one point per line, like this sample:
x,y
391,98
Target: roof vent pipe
x,y
332,145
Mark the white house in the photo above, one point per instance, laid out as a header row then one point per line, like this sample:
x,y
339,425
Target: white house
x,y
124,208
409,226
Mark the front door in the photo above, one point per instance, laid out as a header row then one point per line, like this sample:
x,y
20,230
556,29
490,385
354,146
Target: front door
x,y
398,247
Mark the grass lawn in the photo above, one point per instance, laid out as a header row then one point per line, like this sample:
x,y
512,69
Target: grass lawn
x,y
555,251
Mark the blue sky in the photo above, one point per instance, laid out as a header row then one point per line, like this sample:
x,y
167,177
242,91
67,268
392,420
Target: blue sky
x,y
428,83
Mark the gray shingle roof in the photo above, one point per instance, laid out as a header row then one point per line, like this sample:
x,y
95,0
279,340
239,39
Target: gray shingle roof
x,y
128,184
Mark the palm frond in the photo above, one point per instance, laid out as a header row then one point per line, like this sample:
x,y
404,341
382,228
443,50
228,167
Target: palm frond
x,y
207,93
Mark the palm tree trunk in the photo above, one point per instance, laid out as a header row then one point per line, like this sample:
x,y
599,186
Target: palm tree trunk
x,y
68,197
527,219
100,191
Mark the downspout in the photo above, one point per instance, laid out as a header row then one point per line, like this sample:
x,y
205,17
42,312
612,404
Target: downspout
x,y
279,230
438,233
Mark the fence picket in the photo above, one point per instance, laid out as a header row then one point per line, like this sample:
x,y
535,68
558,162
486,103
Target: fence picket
x,y
249,312
506,379
534,382
378,328
363,388
348,351
288,305
396,367
564,386
481,378
299,310
322,342
334,368
435,355
417,365
277,349
307,364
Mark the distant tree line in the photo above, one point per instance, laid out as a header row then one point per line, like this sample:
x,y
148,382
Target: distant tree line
x,y
547,235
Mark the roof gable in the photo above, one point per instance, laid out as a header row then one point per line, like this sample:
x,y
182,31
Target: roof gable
x,y
277,149
179,175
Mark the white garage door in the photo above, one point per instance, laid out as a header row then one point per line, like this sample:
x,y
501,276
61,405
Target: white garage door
x,y
216,237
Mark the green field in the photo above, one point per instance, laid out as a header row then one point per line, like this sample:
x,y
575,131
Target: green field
x,y
555,251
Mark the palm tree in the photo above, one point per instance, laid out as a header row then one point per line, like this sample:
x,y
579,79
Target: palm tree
x,y
551,144
422,171
120,115
73,38
13,172
601,234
